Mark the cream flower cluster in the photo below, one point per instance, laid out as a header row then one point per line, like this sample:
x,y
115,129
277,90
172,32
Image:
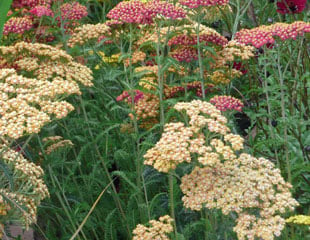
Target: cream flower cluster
x,y
45,62
179,141
224,179
88,32
29,187
158,230
27,104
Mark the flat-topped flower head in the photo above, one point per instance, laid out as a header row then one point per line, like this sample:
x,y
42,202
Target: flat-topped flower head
x,y
28,103
291,6
30,3
87,33
224,103
156,230
73,11
144,13
264,35
17,25
203,3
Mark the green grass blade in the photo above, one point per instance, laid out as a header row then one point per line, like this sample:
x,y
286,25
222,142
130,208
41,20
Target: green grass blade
x,y
4,8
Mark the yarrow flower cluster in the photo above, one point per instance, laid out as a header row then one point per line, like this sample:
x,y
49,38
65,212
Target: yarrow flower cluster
x,y
30,3
144,13
17,25
157,229
27,195
264,35
253,188
291,6
41,11
224,103
73,11
27,104
88,32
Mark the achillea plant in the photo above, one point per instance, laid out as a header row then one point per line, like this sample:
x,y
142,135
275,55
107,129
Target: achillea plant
x,y
144,13
224,103
17,25
21,200
88,32
34,80
264,35
157,229
223,177
27,104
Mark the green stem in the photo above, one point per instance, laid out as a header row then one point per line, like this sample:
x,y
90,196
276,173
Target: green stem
x,y
171,203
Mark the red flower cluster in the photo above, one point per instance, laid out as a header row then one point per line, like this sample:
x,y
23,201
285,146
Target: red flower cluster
x,y
224,103
17,25
185,54
144,13
73,11
263,35
205,3
40,11
126,95
186,40
291,6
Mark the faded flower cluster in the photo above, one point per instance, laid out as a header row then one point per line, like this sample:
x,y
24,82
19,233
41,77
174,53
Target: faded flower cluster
x,y
157,229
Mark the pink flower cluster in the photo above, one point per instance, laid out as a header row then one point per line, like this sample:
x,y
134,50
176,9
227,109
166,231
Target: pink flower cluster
x,y
186,40
73,11
126,95
204,3
30,3
264,35
41,11
17,25
224,103
144,13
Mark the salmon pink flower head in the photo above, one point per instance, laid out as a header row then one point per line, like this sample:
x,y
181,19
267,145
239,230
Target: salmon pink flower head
x,y
40,11
291,6
224,103
265,35
144,13
203,3
17,25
